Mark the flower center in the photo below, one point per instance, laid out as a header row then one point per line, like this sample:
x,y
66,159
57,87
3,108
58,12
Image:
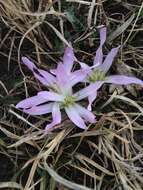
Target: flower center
x,y
96,75
68,101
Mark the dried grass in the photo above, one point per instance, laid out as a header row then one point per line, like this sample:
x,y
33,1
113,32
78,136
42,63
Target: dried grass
x,y
109,155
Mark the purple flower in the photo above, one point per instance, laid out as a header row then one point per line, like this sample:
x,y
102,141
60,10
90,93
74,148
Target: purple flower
x,y
60,94
97,73
68,63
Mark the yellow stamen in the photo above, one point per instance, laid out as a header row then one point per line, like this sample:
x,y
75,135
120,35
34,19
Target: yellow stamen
x,y
96,75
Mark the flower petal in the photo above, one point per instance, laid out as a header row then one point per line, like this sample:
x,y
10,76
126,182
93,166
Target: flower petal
x,y
30,102
39,110
28,63
85,114
54,71
108,60
56,115
103,32
50,96
123,80
91,99
87,91
99,53
43,76
75,117
68,59
78,76
62,76
50,79
84,65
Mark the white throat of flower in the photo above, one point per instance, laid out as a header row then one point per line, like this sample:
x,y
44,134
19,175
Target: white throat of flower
x,y
68,98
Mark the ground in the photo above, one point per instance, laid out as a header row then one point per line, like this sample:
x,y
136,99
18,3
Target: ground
x,y
107,156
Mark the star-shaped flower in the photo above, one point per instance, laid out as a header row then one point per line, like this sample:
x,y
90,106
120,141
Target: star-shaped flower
x,y
60,94
97,74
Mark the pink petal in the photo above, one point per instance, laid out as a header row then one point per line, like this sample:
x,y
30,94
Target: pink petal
x,y
99,54
84,65
62,76
108,60
123,80
43,76
28,63
85,114
67,80
77,76
50,78
91,99
56,115
42,79
87,91
39,110
102,32
68,59
50,96
54,71
30,102
75,117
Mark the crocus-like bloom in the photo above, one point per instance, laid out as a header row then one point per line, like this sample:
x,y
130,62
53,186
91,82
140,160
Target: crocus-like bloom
x,y
97,73
60,94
